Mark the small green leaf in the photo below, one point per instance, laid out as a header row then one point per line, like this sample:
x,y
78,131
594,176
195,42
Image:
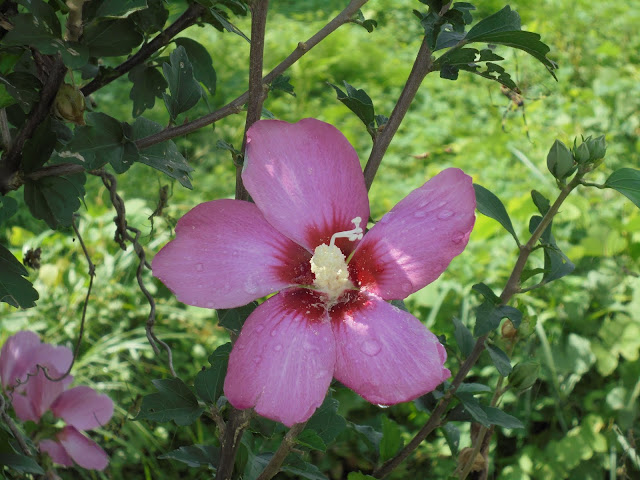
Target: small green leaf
x,y
312,440
627,182
503,21
488,317
219,20
490,205
452,436
495,416
20,463
185,90
359,476
8,208
358,102
391,439
463,337
299,468
233,318
195,455
15,290
556,263
499,359
209,382
201,62
524,375
148,83
174,401
55,199
473,408
369,434
162,156
39,147
119,8
151,19
484,290
111,37
281,82
326,421
473,388
542,204
23,87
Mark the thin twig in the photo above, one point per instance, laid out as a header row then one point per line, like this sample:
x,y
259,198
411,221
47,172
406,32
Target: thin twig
x,y
230,441
122,236
256,90
510,289
187,19
12,426
217,418
421,67
5,134
289,440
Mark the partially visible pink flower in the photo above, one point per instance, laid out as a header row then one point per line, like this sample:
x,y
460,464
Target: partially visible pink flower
x,y
33,394
304,238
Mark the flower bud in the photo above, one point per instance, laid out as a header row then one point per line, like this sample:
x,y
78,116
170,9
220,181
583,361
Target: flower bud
x,y
581,153
69,104
524,375
597,148
560,160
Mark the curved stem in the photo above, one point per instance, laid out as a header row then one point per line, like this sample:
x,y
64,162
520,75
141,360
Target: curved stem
x,y
421,67
289,440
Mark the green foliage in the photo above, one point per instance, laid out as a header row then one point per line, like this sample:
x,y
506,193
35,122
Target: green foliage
x,y
627,182
185,90
14,289
55,199
209,381
174,401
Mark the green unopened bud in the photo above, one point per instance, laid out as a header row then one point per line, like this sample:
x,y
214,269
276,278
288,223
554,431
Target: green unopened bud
x,y
69,104
597,148
524,375
559,160
581,153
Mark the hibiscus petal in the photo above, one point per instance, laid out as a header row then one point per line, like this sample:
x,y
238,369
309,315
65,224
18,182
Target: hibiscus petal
x,y
383,353
24,408
283,361
14,357
56,451
226,254
84,451
306,179
83,408
42,392
415,242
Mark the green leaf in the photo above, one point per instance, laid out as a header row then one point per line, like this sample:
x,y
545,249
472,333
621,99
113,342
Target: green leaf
x,y
219,20
23,87
209,382
499,359
39,147
30,30
473,408
55,199
311,439
201,62
503,21
100,142
119,8
556,263
391,439
452,436
151,19
174,401
358,102
185,90
488,317
326,421
473,388
463,337
195,455
21,463
484,290
232,319
627,182
148,83
111,37
281,82
542,204
297,467
359,476
369,434
497,417
491,206
162,156
15,290
8,208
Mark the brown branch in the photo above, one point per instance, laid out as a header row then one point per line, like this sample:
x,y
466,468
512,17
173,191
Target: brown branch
x,y
235,106
187,19
289,440
510,289
256,90
11,160
421,67
230,441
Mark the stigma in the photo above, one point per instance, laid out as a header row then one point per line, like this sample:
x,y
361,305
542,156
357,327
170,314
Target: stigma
x,y
330,266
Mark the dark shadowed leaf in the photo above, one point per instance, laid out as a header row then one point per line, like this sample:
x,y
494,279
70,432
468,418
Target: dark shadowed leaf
x,y
111,37
15,290
148,83
312,440
195,455
452,436
500,359
209,382
55,199
20,463
501,419
391,439
556,263
151,19
233,318
358,102
369,434
299,468
489,315
39,147
119,8
185,90
463,337
174,401
281,82
201,62
540,201
326,421
8,207
359,476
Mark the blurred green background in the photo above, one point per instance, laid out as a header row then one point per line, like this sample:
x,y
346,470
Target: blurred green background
x,y
581,417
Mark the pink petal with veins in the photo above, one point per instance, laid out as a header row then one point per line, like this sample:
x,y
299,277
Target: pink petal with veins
x,y
82,407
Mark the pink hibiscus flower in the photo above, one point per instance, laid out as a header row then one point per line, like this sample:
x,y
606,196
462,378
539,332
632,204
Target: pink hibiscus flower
x,y
303,238
32,395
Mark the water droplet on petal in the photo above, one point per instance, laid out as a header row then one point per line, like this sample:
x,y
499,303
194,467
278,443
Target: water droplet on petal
x,y
320,374
199,267
274,332
382,406
445,214
370,347
277,348
259,328
257,359
457,237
